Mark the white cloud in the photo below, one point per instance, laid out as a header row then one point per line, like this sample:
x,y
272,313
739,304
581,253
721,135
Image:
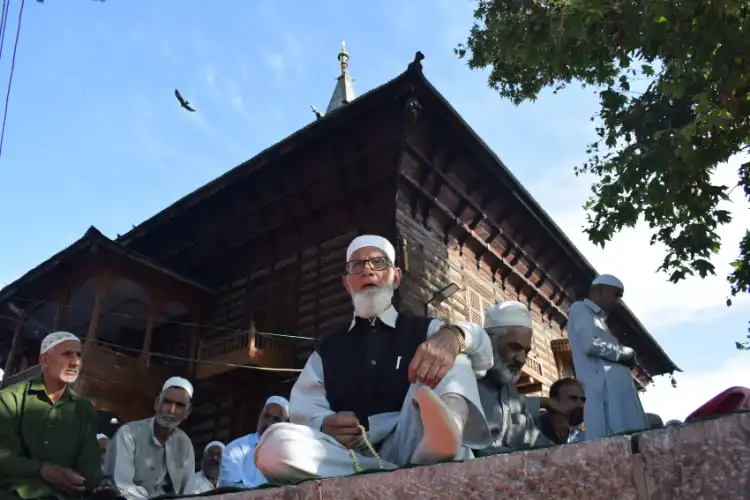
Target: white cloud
x,y
629,255
695,388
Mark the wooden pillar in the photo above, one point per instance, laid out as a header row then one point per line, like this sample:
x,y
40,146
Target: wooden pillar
x,y
61,313
102,286
195,343
154,306
15,347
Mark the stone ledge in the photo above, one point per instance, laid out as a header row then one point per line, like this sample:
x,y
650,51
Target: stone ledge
x,y
704,460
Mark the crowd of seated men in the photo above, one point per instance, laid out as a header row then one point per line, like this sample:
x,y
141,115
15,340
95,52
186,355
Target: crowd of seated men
x,y
385,391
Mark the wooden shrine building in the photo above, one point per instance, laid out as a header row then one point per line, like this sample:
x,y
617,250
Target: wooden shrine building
x,y
262,249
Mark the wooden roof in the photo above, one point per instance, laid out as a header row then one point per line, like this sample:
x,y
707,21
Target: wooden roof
x,y
91,239
410,81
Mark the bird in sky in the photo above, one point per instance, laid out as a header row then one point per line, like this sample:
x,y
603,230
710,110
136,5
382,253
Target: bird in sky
x,y
185,104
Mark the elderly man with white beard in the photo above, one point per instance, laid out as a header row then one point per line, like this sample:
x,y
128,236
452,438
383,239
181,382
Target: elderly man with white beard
x,y
152,457
511,416
387,391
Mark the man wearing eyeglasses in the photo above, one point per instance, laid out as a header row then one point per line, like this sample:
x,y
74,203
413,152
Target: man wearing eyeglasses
x,y
602,364
408,382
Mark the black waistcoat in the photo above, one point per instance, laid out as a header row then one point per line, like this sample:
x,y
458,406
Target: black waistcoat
x,y
366,369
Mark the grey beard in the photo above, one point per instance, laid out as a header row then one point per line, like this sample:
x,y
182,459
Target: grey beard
x,y
167,422
372,302
502,374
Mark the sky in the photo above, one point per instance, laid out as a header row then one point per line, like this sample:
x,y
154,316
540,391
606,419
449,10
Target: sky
x,y
94,136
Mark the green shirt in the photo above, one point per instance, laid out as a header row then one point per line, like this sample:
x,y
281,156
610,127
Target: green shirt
x,y
63,434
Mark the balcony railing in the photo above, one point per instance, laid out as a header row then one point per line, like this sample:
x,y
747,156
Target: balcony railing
x,y
244,348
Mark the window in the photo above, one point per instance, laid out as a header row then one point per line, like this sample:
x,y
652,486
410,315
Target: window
x,y
478,306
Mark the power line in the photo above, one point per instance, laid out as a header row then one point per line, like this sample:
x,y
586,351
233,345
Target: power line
x,y
10,78
178,358
3,22
166,321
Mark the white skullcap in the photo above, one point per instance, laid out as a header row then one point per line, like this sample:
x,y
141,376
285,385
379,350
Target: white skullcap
x,y
609,280
101,436
370,240
56,338
179,382
508,313
214,443
278,400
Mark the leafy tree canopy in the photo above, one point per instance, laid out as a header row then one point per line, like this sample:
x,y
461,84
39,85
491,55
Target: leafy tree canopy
x,y
658,148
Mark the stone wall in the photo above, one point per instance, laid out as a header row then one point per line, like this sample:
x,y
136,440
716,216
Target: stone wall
x,y
430,264
707,460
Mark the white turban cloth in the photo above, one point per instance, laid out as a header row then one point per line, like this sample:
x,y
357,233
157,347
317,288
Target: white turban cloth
x,y
179,382
370,240
278,400
508,313
212,444
57,338
609,280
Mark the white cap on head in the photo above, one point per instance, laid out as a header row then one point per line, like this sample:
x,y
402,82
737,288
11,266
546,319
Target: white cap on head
x,y
56,338
508,313
609,280
179,382
370,240
101,436
278,400
212,444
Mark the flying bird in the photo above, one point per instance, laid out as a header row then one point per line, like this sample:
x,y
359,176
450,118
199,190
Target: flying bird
x,y
185,104
318,114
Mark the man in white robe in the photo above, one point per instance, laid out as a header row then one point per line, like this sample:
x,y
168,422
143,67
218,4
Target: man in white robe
x,y
238,463
602,364
409,382
152,457
207,478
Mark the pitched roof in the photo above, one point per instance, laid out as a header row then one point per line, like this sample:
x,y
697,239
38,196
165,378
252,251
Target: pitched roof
x,y
413,79
93,237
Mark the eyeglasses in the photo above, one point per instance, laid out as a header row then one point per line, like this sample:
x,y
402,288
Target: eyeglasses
x,y
376,264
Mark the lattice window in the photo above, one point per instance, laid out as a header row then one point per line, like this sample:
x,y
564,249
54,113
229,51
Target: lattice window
x,y
478,306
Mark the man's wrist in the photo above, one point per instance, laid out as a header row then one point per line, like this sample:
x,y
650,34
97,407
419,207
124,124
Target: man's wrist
x,y
459,335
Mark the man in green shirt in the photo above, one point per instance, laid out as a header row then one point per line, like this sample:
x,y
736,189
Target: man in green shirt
x,y
48,445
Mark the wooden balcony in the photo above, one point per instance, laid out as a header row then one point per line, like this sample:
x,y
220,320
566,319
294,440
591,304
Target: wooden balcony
x,y
531,377
242,349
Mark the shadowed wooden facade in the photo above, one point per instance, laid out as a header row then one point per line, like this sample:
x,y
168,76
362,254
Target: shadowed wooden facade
x,y
264,245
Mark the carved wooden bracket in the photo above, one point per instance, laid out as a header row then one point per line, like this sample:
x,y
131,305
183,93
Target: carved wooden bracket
x,y
413,110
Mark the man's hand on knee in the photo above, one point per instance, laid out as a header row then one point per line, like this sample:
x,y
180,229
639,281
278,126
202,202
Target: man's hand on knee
x,y
343,427
434,358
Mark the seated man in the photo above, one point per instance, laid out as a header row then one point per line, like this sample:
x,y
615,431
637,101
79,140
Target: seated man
x,y
152,457
511,416
238,464
208,477
48,443
563,427
388,390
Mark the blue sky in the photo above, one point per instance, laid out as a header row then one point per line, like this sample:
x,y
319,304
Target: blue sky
x,y
95,135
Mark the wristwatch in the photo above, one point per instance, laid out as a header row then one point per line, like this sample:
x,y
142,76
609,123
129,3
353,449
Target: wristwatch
x,y
459,336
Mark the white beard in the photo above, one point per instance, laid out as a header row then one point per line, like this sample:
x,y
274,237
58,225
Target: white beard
x,y
372,302
503,374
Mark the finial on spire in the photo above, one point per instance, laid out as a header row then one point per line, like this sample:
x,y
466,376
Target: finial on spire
x,y
343,58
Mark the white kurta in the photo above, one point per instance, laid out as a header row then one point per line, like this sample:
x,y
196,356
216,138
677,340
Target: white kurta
x,y
612,402
141,467
202,484
238,468
299,450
